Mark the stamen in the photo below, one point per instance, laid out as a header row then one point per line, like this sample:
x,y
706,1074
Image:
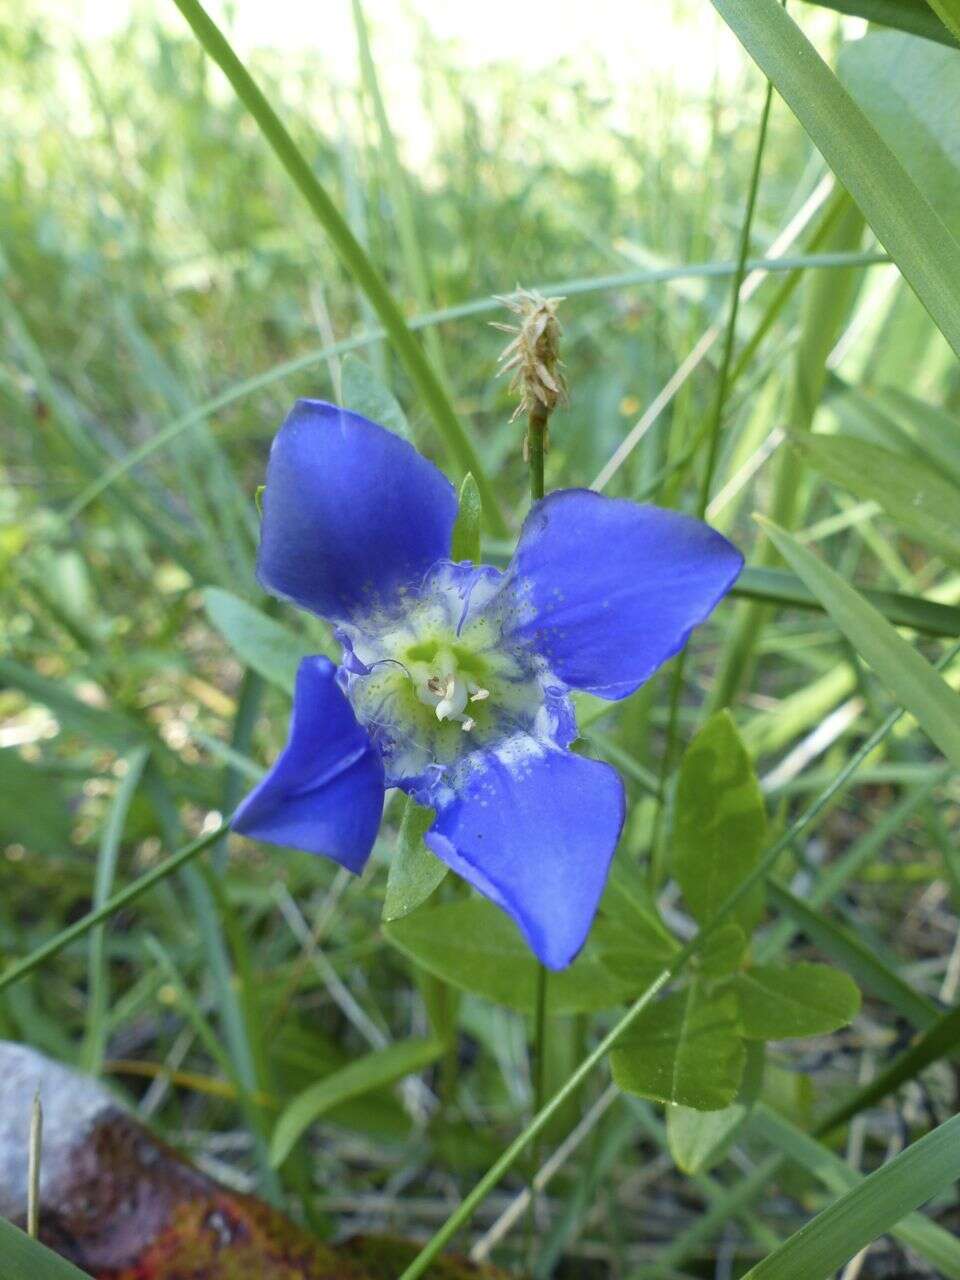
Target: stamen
x,y
467,723
479,695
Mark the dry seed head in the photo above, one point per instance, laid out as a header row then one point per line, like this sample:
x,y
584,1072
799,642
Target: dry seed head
x,y
533,355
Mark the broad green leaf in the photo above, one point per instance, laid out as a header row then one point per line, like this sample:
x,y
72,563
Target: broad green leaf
x,y
466,531
906,223
847,949
700,1139
910,90
260,642
869,1210
364,393
26,1259
372,1071
723,951
720,826
684,1049
777,1002
414,871
477,948
917,498
905,15
911,679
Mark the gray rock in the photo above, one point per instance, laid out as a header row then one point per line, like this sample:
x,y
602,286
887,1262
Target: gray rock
x,y
71,1104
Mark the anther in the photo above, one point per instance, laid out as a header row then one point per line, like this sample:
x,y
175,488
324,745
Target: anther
x,y
479,695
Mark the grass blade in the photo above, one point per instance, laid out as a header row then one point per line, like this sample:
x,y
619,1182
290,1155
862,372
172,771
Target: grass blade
x,y
907,224
870,1209
349,250
914,683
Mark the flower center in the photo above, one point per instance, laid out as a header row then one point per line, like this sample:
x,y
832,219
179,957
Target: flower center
x,y
443,686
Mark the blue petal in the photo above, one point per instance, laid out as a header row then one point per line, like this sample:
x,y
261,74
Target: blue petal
x,y
352,514
324,794
534,830
609,590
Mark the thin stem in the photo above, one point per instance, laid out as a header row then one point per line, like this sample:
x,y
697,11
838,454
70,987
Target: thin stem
x,y
536,448
536,439
713,447
119,900
349,250
464,1211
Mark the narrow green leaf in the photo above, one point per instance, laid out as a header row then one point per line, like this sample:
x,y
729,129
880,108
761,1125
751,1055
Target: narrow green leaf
x,y
913,682
474,946
26,1259
98,975
685,1049
909,89
929,431
870,1209
373,1071
466,531
700,1139
776,586
349,250
906,223
948,11
414,871
364,393
906,15
720,824
270,648
777,1003
918,499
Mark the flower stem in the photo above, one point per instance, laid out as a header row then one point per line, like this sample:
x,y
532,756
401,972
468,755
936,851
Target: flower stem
x,y
536,448
536,440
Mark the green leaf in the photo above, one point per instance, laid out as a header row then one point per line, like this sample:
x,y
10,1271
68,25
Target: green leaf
x,y
33,809
905,15
700,1139
777,1003
477,948
466,531
867,1211
720,824
685,1049
26,1259
373,1071
927,431
776,586
949,13
414,871
913,682
909,89
723,951
917,498
363,392
270,648
906,223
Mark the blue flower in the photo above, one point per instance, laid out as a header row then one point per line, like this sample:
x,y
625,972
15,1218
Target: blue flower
x,y
455,679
